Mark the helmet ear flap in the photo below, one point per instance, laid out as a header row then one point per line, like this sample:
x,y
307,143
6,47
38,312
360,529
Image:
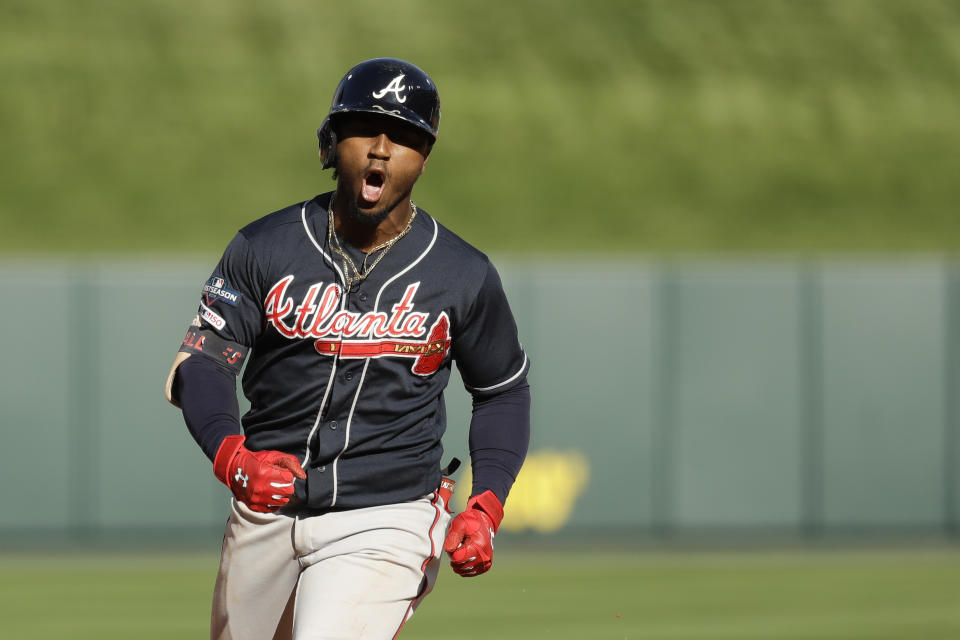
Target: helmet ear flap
x,y
327,138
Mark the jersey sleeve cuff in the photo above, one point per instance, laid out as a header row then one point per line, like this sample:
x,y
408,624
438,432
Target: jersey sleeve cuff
x,y
503,385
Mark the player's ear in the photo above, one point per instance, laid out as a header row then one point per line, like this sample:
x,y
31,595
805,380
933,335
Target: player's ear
x,y
327,139
426,157
324,153
426,147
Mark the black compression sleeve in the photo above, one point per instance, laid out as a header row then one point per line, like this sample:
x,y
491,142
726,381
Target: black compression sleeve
x,y
208,395
499,438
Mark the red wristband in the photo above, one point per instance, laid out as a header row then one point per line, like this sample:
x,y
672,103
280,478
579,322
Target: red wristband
x,y
490,505
225,454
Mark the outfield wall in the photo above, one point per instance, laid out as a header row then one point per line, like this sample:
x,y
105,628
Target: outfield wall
x,y
809,398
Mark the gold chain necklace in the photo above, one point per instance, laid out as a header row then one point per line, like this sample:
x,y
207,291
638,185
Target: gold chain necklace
x,y
351,274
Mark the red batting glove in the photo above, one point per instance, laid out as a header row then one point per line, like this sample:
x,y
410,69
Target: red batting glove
x,y
469,540
262,480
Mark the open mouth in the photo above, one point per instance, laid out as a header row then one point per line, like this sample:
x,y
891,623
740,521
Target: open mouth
x,y
372,185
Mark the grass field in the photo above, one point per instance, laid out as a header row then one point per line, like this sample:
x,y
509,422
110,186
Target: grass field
x,y
835,595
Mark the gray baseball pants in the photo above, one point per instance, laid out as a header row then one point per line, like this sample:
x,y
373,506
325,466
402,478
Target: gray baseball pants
x,y
340,575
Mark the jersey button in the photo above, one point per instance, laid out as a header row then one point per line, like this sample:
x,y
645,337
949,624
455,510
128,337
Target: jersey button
x,y
363,297
321,469
348,375
333,425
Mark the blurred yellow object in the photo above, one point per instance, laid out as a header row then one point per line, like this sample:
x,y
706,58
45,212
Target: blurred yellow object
x,y
544,494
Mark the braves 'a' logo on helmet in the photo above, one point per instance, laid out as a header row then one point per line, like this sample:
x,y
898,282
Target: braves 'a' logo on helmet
x,y
394,87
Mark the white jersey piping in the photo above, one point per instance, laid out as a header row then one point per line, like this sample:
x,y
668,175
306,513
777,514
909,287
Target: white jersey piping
x,y
363,375
336,358
507,381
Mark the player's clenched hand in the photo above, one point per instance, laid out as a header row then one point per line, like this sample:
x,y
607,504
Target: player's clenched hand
x,y
469,539
262,480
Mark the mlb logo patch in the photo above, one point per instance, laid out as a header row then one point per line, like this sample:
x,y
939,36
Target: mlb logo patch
x,y
210,316
216,289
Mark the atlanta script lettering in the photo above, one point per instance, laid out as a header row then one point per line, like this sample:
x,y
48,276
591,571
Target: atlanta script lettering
x,y
375,334
318,316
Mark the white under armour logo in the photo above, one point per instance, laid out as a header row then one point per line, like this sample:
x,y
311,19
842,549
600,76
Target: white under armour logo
x,y
241,478
394,88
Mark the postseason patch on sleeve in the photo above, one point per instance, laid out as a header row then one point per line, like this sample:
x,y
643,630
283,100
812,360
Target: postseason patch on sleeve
x,y
216,289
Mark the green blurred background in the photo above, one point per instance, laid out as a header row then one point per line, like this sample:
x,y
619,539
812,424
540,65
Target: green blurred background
x,y
727,230
605,126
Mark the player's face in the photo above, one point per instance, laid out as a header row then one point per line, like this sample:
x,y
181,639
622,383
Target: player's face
x,y
378,160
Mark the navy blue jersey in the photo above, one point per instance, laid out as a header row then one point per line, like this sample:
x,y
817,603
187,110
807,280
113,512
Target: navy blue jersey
x,y
351,381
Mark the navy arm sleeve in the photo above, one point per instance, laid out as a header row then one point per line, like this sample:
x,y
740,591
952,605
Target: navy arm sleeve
x,y
499,437
228,321
494,368
208,396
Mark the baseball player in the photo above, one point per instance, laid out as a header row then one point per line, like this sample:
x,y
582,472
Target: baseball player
x,y
348,310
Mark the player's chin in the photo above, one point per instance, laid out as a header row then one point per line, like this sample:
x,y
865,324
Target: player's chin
x,y
369,213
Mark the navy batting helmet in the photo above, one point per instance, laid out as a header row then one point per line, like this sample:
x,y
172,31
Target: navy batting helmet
x,y
385,86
